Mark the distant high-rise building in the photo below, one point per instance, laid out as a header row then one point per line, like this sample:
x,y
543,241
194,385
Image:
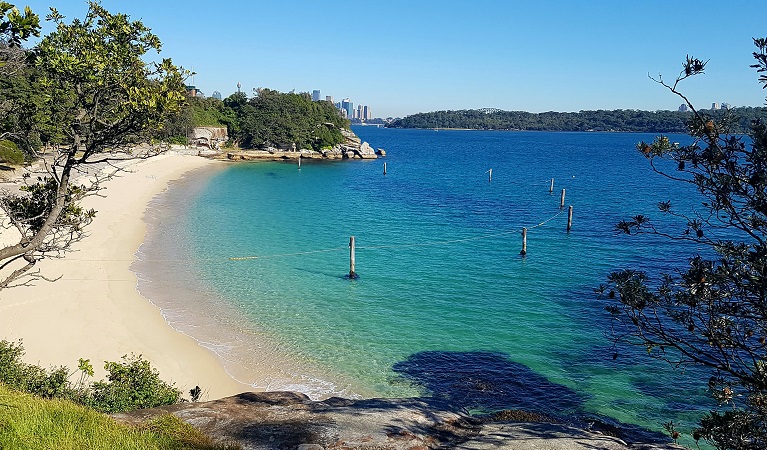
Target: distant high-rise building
x,y
315,95
366,114
715,106
359,115
683,107
329,98
348,106
216,95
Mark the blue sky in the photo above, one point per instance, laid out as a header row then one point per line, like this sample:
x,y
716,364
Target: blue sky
x,y
404,57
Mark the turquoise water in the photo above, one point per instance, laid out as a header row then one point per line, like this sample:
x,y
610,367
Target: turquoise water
x,y
444,304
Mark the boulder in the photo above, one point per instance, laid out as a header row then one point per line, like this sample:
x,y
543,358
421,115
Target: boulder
x,y
289,420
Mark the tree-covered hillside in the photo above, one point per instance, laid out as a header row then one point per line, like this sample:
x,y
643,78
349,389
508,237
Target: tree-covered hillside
x,y
274,118
600,120
270,118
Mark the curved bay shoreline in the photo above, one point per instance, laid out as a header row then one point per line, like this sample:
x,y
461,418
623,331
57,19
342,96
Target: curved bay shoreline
x,y
95,311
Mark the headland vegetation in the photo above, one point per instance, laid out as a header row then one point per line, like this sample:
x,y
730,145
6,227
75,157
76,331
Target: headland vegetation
x,y
621,120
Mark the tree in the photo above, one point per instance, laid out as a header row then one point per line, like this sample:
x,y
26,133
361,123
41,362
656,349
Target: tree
x,y
713,314
15,28
99,99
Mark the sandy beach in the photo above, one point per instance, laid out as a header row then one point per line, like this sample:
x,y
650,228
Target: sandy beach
x,y
95,311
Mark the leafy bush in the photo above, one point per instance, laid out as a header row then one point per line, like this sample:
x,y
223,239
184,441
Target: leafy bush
x,y
132,384
10,153
30,378
177,140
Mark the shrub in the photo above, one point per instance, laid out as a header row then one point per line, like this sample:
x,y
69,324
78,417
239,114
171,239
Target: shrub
x,y
30,378
10,153
132,384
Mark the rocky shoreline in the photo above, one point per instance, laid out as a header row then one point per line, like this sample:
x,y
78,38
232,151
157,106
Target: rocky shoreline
x,y
351,148
289,420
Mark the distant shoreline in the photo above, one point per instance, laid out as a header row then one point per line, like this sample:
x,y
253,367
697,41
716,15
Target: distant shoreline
x,y
630,121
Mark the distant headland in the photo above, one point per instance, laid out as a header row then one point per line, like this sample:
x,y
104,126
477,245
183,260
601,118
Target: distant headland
x,y
620,120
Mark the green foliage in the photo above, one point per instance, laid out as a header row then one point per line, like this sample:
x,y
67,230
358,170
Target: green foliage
x,y
273,119
88,88
98,91
30,378
32,423
16,27
31,209
600,120
713,314
210,112
132,384
10,153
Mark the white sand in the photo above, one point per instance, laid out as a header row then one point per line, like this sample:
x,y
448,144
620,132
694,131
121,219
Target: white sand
x,y
94,311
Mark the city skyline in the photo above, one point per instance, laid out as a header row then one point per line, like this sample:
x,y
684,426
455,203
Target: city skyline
x,y
429,56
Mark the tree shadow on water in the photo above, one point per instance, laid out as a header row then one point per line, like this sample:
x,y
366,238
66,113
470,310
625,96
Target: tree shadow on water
x,y
486,382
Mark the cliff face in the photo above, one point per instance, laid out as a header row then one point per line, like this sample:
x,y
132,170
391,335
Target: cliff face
x,y
287,420
211,137
351,148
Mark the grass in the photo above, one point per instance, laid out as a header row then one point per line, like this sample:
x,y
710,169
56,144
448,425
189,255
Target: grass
x,y
29,422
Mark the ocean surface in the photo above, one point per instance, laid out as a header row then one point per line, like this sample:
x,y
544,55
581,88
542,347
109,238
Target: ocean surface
x,y
252,260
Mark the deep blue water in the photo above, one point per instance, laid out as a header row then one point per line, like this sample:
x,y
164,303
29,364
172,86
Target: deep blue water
x,y
444,304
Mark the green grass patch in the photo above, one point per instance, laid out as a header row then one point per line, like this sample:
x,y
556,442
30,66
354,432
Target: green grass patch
x,y
30,422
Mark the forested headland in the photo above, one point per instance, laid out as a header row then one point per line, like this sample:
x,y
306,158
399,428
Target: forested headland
x,y
268,119
738,119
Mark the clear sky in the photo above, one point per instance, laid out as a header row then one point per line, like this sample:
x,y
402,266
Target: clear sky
x,y
404,57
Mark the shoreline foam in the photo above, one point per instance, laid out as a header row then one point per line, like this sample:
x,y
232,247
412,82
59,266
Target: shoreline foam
x,y
168,273
94,310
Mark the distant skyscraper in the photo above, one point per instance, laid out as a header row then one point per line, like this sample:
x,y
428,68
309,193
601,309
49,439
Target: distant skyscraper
x,y
316,95
359,112
366,114
216,95
683,107
329,98
348,106
715,106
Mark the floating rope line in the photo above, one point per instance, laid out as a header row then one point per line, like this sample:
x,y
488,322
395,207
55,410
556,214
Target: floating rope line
x,y
422,244
243,258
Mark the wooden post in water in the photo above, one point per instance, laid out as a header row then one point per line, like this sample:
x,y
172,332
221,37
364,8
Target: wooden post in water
x,y
299,161
569,218
551,188
352,273
524,242
490,179
384,168
562,200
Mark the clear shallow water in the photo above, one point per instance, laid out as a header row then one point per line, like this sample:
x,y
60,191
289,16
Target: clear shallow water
x,y
442,288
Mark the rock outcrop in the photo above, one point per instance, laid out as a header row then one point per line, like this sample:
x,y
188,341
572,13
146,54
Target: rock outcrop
x,y
211,137
351,148
287,420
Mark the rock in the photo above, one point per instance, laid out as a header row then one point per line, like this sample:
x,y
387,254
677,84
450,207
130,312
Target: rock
x,y
380,152
366,151
211,137
288,420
